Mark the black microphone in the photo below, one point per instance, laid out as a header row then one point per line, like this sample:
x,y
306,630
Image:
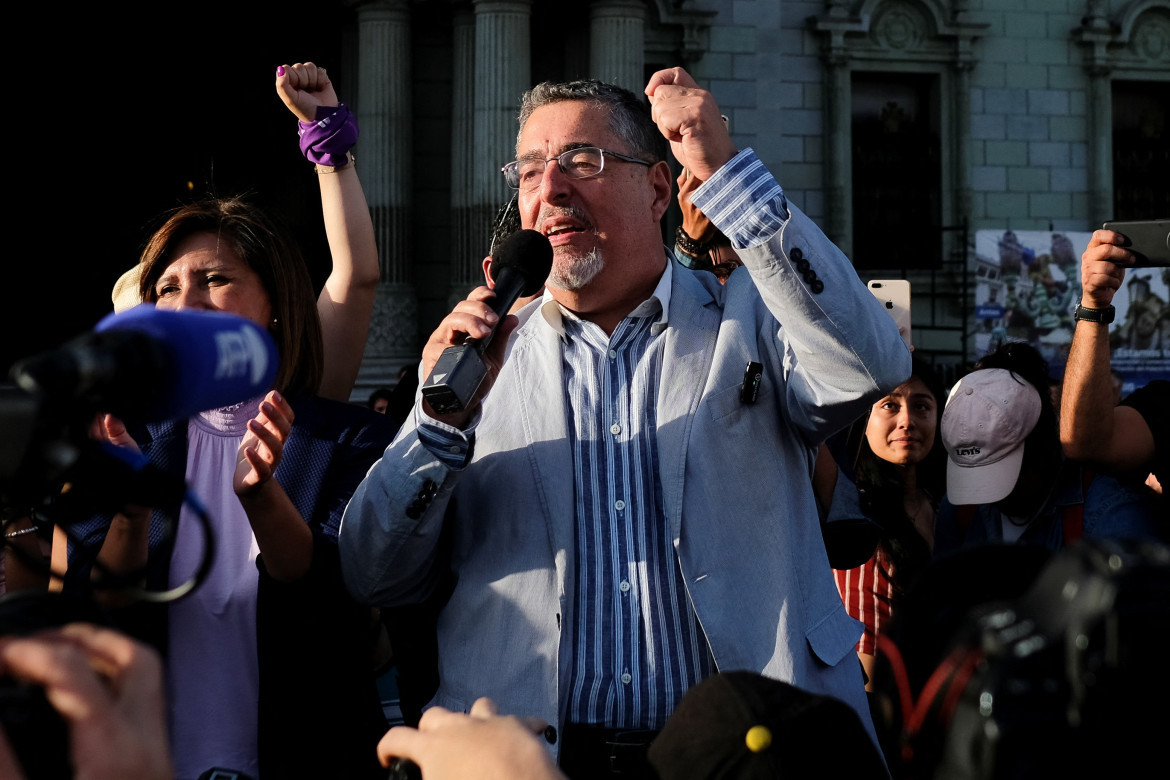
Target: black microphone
x,y
520,267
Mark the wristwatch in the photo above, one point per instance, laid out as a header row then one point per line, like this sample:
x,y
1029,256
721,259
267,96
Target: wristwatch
x,y
1103,316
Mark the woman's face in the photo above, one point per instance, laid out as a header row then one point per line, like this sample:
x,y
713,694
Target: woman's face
x,y
902,425
207,274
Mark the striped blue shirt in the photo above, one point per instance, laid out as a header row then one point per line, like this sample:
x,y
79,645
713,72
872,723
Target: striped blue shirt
x,y
637,645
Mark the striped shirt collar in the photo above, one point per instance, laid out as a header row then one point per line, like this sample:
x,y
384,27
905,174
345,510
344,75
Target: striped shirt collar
x,y
554,313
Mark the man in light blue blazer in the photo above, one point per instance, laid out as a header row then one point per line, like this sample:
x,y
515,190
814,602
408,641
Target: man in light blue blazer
x,y
628,510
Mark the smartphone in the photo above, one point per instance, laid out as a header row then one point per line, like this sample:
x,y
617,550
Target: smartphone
x,y
895,296
1148,239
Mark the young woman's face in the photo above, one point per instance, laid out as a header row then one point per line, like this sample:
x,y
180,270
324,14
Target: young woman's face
x,y
902,425
206,274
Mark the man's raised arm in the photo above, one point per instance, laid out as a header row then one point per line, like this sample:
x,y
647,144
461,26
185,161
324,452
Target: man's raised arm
x,y
1092,429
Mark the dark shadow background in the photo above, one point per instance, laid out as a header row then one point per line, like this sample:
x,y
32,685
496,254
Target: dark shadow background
x,y
117,115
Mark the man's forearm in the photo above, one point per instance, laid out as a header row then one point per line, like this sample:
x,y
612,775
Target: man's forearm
x,y
1087,401
389,535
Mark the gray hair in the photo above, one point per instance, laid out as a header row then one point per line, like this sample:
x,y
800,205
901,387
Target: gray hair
x,y
629,114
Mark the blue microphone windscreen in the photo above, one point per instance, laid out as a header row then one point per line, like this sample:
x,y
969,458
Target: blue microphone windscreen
x,y
210,359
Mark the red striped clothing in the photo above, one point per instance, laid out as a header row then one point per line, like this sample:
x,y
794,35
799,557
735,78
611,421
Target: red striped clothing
x,y
867,592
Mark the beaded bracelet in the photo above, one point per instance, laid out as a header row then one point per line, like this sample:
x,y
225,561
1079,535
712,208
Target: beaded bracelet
x,y
689,245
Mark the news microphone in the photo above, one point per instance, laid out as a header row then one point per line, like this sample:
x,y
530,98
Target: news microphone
x,y
520,266
148,364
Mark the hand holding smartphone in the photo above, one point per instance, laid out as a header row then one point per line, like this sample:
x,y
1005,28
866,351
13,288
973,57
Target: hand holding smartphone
x,y
1147,239
895,296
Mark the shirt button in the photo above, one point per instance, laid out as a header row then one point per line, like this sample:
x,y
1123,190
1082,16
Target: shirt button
x,y
455,449
615,429
626,677
612,354
624,587
619,505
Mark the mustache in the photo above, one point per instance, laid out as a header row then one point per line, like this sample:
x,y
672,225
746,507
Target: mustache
x,y
572,212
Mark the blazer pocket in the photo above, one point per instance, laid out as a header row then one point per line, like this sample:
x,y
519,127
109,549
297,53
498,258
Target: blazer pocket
x,y
835,636
724,402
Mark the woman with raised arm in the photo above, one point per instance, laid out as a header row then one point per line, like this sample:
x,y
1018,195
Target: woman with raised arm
x,y
328,130
267,661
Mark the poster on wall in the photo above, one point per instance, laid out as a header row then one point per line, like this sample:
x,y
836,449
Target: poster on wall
x,y
1028,282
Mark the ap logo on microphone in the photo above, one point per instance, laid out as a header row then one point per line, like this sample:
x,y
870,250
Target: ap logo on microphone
x,y
241,353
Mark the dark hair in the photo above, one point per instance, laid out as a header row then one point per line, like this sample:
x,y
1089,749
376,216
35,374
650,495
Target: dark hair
x,y
881,487
273,257
381,394
629,114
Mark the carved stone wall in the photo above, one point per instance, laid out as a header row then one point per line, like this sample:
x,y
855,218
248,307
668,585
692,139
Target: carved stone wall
x,y
1131,41
925,36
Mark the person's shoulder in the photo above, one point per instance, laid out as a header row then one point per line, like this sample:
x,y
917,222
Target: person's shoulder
x,y
701,286
1121,509
528,315
1152,402
1156,391
157,431
163,443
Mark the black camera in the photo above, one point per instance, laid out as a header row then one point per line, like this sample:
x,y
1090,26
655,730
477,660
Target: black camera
x,y
1059,681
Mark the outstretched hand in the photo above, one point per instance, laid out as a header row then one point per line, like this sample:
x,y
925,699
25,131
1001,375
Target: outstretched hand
x,y
689,118
263,445
303,87
109,691
450,745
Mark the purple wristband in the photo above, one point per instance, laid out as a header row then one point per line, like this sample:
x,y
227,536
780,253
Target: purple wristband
x,y
329,139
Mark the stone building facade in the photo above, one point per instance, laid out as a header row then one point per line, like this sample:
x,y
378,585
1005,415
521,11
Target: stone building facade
x,y
900,126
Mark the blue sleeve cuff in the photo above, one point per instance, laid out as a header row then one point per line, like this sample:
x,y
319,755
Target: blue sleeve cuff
x,y
744,201
450,446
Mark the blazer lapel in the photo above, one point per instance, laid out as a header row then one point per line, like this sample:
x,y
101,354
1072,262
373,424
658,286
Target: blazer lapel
x,y
541,398
686,366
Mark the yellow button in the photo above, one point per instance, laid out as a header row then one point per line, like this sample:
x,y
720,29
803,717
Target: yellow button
x,y
758,739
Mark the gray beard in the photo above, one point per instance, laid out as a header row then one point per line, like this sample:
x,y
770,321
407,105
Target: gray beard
x,y
576,272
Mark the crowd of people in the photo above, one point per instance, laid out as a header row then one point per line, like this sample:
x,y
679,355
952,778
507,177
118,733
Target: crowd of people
x,y
628,555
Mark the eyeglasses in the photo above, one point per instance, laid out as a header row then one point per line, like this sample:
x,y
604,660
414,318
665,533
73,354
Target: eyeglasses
x,y
581,163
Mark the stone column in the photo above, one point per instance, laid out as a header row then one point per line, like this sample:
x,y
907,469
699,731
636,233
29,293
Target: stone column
x,y
616,46
961,171
502,74
1100,135
1095,35
834,24
383,110
467,245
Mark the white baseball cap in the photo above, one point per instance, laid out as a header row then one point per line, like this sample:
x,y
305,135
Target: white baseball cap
x,y
125,293
988,415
